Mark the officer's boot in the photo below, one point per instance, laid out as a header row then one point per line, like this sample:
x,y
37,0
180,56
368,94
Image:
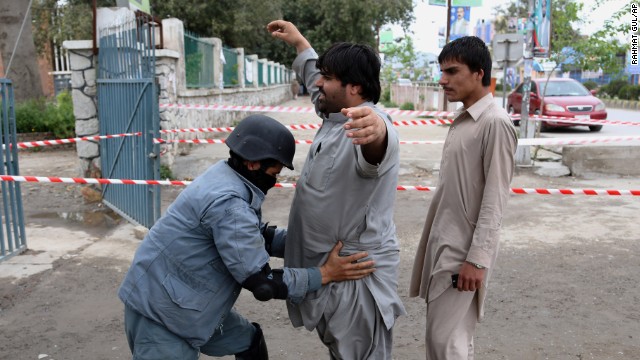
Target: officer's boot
x,y
258,348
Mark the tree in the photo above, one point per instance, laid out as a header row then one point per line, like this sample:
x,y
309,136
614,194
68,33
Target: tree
x,y
22,65
55,21
238,23
326,22
597,51
242,23
400,53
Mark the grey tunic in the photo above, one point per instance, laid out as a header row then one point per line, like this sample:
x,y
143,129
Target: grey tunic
x,y
340,196
465,214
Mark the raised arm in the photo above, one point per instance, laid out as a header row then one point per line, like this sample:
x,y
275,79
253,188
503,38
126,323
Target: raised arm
x,y
288,33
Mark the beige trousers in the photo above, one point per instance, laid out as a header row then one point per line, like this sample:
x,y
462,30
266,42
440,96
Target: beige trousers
x,y
451,324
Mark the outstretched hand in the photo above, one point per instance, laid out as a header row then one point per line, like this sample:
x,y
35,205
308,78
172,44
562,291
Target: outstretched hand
x,y
341,268
365,127
288,33
368,129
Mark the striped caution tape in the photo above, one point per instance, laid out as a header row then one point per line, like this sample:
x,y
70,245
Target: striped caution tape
x,y
53,179
393,112
31,144
294,109
575,120
521,142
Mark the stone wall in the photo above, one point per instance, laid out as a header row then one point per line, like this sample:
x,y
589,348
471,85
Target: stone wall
x,y
85,105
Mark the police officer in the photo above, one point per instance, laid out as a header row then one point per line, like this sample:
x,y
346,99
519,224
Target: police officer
x,y
211,242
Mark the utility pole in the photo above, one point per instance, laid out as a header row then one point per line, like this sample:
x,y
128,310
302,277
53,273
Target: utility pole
x,y
446,37
527,128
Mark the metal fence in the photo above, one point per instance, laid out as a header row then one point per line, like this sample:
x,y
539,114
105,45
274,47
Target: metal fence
x,y
199,61
261,75
230,67
12,235
249,76
128,103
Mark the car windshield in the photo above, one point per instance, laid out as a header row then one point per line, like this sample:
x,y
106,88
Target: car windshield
x,y
564,88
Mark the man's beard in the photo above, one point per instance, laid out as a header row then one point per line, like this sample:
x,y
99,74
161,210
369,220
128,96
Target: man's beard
x,y
327,106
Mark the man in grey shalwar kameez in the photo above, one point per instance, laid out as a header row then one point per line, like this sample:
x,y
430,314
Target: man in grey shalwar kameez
x,y
346,191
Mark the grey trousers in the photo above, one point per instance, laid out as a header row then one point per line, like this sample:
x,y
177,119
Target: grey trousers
x,y
352,327
149,340
451,324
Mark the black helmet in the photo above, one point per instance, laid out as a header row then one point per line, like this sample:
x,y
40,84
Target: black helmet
x,y
259,137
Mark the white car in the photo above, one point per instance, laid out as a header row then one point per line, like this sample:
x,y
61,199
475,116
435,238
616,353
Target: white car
x,y
404,82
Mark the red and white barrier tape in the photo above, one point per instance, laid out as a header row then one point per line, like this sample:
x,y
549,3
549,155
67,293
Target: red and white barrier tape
x,y
309,126
521,142
584,121
576,140
31,144
53,179
394,112
294,109
221,141
257,108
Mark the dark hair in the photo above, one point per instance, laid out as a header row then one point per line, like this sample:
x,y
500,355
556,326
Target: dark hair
x,y
471,51
355,64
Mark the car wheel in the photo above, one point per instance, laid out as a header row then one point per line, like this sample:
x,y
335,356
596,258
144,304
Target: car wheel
x,y
511,113
595,128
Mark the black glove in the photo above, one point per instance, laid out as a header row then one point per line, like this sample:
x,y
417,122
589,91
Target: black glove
x,y
265,288
268,233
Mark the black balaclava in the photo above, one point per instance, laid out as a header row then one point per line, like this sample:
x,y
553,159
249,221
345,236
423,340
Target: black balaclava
x,y
259,178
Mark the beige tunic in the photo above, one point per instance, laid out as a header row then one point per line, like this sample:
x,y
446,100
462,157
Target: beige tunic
x,y
465,214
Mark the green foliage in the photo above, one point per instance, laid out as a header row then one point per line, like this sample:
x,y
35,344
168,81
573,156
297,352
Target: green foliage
x,y
241,23
193,66
612,89
166,173
629,92
388,103
41,115
407,106
55,21
499,87
386,93
590,85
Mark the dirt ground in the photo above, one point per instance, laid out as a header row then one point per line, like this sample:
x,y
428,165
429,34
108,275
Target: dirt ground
x,y
565,285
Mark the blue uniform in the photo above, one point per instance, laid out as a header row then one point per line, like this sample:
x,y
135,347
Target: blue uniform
x,y
187,272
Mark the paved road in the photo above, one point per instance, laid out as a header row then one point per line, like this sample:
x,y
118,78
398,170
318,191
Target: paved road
x,y
613,115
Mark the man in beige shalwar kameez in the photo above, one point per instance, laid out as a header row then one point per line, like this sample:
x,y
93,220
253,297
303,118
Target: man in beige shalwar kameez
x,y
461,232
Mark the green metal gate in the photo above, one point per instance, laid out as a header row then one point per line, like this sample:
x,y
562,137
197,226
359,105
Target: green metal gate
x,y
12,236
128,103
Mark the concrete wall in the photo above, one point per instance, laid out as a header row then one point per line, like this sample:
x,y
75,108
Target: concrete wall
x,y
586,160
423,97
